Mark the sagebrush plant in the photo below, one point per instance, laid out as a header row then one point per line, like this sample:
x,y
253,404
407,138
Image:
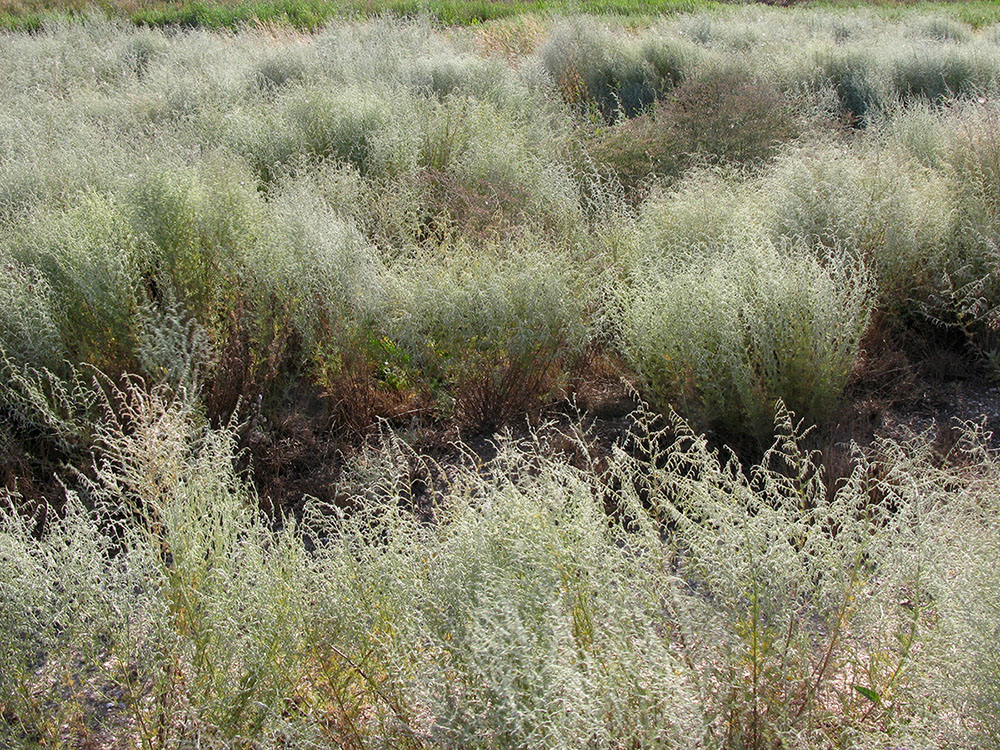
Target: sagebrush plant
x,y
943,72
719,117
852,72
728,116
29,318
768,324
289,236
716,605
695,218
92,261
591,68
893,217
196,221
493,331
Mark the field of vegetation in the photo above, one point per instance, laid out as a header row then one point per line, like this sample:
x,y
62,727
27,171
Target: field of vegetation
x,y
523,384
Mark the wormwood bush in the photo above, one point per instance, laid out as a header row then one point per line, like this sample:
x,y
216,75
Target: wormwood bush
x,y
972,600
942,29
717,605
507,183
591,67
855,76
172,348
195,222
917,132
365,125
316,287
174,603
970,288
484,171
208,555
781,613
52,149
138,51
90,262
767,325
719,117
312,255
282,68
942,71
519,596
61,600
349,127
730,117
29,317
975,163
698,216
764,545
894,217
492,328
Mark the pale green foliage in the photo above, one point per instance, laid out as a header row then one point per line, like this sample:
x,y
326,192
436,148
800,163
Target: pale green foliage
x,y
866,61
314,259
491,326
91,261
853,73
894,216
520,600
963,150
48,410
696,219
208,555
620,76
943,71
725,338
196,222
511,299
381,206
177,596
61,597
942,29
283,68
718,605
29,325
173,348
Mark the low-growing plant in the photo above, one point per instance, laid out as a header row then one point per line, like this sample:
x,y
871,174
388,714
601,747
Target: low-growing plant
x,y
696,218
593,69
195,223
492,331
673,61
893,217
281,69
90,264
730,117
943,29
942,72
720,118
668,597
768,324
854,75
29,317
967,294
141,50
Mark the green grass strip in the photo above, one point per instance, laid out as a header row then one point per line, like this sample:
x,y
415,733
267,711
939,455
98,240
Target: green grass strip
x,y
309,15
